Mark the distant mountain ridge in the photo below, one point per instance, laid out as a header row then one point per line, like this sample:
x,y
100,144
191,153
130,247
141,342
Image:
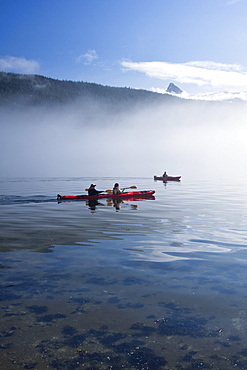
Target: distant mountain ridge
x,y
34,90
174,89
21,91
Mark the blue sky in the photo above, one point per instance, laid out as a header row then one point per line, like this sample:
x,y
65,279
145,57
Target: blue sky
x,y
200,45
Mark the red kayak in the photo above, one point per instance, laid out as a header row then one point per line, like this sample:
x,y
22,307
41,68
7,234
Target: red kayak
x,y
130,194
167,178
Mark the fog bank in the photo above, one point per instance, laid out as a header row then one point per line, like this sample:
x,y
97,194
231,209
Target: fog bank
x,y
192,140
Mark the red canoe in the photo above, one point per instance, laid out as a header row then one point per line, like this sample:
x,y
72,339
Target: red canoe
x,y
130,194
167,178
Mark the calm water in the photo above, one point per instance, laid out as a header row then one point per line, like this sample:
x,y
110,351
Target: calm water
x,y
155,284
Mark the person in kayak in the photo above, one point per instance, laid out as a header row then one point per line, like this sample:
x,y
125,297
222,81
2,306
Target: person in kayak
x,y
164,174
116,189
93,191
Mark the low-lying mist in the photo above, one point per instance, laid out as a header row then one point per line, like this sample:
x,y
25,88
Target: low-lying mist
x,y
190,139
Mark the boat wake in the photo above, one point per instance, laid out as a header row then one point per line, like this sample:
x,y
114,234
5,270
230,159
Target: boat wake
x,y
16,199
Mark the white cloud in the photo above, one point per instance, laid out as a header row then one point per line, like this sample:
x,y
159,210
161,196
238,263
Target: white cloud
x,y
201,73
87,58
211,96
221,96
21,65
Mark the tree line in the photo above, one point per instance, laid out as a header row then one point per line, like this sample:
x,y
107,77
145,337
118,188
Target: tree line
x,y
32,90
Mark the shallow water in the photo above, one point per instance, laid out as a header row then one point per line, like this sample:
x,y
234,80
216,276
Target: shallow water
x,y
155,284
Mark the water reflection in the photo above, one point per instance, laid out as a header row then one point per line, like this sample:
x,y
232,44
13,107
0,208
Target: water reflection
x,y
161,287
93,203
116,203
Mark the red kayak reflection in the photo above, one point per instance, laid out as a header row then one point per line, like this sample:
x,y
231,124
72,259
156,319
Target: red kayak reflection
x,y
117,203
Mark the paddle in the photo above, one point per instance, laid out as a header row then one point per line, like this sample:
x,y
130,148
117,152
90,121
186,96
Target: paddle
x,y
129,187
88,189
110,191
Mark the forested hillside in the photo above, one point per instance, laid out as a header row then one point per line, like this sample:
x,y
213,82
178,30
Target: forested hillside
x,y
34,90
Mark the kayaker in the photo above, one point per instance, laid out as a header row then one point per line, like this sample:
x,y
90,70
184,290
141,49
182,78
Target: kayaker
x,y
93,191
164,174
116,189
